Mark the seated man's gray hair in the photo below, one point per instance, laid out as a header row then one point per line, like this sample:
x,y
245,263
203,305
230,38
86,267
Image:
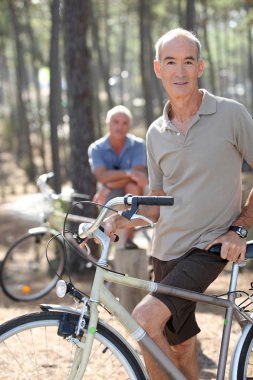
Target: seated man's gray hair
x,y
118,109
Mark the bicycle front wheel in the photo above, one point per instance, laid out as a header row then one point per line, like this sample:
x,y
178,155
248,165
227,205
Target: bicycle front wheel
x,y
30,348
25,273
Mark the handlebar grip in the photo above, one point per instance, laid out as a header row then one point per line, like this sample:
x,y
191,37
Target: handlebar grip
x,y
215,249
249,249
151,200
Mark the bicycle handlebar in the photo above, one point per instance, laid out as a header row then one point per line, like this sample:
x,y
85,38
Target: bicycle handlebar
x,y
69,194
249,249
149,200
129,200
42,183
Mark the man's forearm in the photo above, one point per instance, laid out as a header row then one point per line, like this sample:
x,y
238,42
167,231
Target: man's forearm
x,y
117,184
245,218
113,175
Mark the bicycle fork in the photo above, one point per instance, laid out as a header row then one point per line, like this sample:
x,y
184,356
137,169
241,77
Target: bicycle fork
x,y
84,346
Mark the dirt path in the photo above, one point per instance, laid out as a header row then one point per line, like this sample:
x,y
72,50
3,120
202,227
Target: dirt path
x,y
210,319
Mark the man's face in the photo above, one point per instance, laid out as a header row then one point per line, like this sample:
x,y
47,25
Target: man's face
x,y
178,67
119,126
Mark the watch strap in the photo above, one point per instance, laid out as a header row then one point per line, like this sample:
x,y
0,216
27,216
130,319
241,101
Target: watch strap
x,y
240,230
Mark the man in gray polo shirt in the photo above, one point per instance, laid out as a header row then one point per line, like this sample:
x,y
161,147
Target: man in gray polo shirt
x,y
195,152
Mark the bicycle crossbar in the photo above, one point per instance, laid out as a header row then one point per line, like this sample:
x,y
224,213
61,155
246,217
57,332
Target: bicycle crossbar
x,y
164,289
193,296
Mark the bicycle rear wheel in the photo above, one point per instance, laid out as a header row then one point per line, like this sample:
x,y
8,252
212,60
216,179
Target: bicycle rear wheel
x,y
25,273
30,348
244,370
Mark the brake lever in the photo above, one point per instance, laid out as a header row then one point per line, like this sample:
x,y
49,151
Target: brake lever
x,y
79,240
137,216
116,236
87,248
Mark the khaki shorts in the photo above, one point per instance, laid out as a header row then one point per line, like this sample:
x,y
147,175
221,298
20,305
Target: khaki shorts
x,y
195,270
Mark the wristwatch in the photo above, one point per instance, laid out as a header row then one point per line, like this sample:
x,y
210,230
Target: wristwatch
x,y
239,230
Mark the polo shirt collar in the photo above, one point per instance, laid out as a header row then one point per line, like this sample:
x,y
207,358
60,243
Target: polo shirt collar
x,y
208,106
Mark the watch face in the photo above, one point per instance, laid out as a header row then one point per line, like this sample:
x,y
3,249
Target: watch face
x,y
243,232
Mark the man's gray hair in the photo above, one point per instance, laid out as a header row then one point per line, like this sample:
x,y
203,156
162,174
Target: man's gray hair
x,y
175,33
118,109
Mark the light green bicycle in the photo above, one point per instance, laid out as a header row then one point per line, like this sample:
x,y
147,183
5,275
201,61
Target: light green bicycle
x,y
74,343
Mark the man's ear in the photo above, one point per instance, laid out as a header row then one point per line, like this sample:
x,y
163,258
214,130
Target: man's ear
x,y
201,68
157,68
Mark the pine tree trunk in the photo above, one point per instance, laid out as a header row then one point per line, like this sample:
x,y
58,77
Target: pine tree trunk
x,y
55,93
76,18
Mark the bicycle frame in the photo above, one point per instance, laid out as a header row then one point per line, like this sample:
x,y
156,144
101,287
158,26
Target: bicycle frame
x,y
101,295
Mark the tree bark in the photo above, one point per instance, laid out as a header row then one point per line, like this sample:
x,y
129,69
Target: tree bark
x,y
250,61
208,50
25,153
36,59
145,56
76,19
190,15
55,93
103,65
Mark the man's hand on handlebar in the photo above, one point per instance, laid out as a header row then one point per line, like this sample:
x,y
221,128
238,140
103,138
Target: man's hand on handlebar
x,y
233,247
108,227
111,224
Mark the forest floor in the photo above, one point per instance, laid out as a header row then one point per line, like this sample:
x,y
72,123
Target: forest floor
x,y
14,221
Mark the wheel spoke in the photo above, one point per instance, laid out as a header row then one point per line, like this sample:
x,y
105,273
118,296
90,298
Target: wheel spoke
x,y
32,349
25,272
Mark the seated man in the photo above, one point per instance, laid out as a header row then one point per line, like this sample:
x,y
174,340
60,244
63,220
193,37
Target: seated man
x,y
118,160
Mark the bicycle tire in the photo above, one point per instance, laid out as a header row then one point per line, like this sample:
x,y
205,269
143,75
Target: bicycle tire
x,y
245,362
31,348
25,274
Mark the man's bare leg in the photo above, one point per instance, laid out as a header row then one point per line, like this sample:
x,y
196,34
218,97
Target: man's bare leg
x,y
152,315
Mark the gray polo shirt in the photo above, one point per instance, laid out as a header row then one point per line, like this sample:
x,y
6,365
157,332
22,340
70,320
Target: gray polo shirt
x,y
202,170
